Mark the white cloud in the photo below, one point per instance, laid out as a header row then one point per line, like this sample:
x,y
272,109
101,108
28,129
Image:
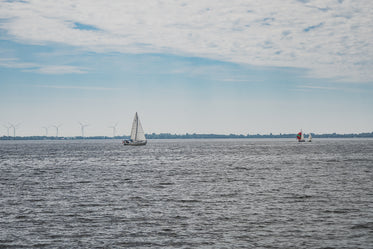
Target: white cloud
x,y
333,39
14,63
95,88
38,68
339,87
56,70
317,87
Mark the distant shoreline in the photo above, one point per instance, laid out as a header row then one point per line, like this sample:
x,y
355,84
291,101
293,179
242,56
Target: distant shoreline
x,y
193,136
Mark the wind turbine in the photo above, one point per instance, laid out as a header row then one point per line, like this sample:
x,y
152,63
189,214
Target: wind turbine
x,y
14,126
46,130
57,126
114,127
82,126
7,128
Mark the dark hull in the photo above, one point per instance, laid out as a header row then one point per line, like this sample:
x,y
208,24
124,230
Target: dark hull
x,y
137,143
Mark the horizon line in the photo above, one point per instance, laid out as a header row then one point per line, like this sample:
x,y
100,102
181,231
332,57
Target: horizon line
x,y
199,135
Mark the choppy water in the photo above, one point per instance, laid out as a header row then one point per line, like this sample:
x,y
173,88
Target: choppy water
x,y
187,194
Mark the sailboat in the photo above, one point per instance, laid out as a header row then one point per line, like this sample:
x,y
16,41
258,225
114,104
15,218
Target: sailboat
x,y
310,138
300,136
137,133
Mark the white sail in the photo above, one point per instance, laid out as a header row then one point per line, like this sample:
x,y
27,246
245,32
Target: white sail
x,y
137,133
140,132
302,136
134,127
310,138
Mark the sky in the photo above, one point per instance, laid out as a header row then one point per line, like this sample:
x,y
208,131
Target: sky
x,y
240,66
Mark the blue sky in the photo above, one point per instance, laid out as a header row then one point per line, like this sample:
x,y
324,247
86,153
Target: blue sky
x,y
186,66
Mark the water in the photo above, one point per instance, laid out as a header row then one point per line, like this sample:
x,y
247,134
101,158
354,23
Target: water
x,y
187,194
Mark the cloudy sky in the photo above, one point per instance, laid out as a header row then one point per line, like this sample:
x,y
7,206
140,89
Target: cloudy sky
x,y
204,66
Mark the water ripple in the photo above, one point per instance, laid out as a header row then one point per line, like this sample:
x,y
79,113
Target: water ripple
x,y
187,193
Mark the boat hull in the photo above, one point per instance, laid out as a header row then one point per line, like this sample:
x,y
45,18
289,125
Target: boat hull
x,y
134,143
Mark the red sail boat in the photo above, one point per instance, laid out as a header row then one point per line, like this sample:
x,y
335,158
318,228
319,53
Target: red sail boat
x,y
300,136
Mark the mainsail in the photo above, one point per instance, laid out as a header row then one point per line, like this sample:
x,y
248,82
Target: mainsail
x,y
137,133
300,136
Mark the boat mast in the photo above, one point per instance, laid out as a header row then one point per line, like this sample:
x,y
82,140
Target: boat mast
x,y
137,126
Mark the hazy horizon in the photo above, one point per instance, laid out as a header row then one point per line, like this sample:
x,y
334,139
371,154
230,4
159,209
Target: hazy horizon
x,y
241,67
53,133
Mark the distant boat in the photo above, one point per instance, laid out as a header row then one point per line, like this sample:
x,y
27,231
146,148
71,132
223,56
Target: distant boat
x,y
137,133
300,136
310,138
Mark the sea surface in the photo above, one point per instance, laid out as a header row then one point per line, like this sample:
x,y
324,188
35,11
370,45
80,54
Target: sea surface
x,y
187,194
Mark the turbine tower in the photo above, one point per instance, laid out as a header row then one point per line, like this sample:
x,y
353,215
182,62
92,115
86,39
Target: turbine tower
x,y
7,128
46,130
57,126
14,126
114,127
82,126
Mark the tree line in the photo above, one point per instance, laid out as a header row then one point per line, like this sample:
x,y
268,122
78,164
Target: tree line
x,y
195,136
